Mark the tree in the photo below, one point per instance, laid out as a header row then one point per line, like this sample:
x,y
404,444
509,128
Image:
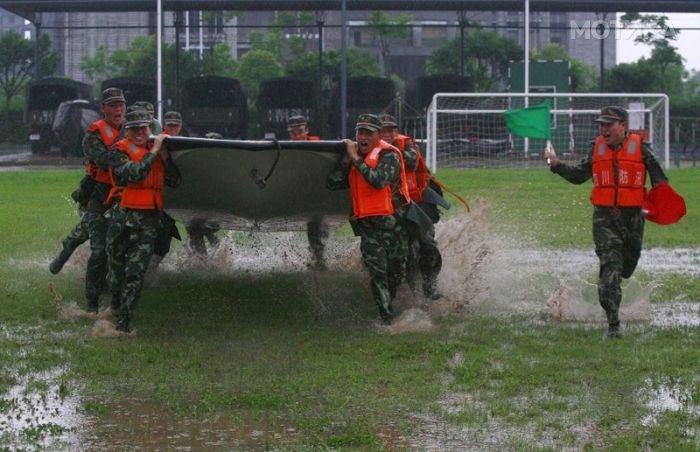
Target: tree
x,y
256,66
665,59
360,63
17,63
486,59
385,29
99,66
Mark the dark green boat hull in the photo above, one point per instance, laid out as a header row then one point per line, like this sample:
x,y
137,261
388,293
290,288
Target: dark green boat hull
x,y
255,185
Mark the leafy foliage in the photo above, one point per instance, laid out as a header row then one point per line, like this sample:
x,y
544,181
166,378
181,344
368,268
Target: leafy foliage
x,y
18,58
486,58
387,28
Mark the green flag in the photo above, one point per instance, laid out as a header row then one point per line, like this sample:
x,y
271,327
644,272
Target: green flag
x,y
530,122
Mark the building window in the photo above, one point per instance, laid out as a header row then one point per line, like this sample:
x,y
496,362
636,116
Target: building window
x,y
435,34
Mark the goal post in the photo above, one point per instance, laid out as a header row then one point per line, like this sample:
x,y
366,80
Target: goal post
x,y
468,130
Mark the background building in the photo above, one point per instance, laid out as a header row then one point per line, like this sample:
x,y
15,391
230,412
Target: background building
x,y
76,34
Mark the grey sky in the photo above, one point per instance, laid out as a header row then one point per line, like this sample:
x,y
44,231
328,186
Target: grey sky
x,y
688,44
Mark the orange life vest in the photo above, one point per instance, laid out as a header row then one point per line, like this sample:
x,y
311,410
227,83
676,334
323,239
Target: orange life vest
x,y
146,194
312,138
368,201
109,136
618,176
417,179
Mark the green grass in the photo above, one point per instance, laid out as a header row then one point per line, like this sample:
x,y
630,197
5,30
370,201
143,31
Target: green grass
x,y
538,205
256,352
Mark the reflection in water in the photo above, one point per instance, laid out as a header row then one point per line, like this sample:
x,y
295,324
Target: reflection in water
x,y
140,424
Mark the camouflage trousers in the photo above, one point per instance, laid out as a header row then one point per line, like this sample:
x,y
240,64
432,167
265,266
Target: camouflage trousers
x,y
96,269
129,251
424,259
317,235
384,248
618,235
79,235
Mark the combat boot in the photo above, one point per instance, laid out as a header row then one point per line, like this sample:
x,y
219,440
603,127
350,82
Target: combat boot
x,y
430,289
93,305
614,331
386,313
614,327
59,261
116,305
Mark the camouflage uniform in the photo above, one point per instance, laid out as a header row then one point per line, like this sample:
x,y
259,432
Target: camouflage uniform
x,y
80,233
383,240
96,270
424,258
617,233
131,235
316,232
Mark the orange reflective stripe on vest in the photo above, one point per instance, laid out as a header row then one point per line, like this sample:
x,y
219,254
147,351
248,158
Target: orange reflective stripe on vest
x,y
416,179
368,201
146,194
109,136
618,176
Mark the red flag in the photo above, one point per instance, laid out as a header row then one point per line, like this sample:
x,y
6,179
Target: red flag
x,y
663,205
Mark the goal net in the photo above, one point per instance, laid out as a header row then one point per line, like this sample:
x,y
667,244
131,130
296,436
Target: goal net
x,y
468,130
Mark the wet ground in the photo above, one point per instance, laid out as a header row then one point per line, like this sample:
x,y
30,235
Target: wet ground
x,y
21,159
40,412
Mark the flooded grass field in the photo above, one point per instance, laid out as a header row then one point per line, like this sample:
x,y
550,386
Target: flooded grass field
x,y
251,350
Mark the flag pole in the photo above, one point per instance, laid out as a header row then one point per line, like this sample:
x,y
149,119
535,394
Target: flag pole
x,y
526,64
159,58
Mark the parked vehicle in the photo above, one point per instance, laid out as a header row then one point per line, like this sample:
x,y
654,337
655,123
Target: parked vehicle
x,y
134,88
43,99
73,117
364,95
214,104
283,97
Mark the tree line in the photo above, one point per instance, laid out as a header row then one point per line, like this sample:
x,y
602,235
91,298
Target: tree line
x,y
485,60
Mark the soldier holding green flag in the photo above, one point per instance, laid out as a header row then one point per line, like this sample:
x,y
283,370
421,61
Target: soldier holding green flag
x,y
618,164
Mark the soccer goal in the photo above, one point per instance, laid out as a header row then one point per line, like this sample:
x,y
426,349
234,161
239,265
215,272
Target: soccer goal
x,y
468,130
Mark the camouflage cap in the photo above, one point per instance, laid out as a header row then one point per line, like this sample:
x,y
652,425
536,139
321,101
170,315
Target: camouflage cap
x,y
172,118
137,117
111,95
608,115
214,136
296,122
388,121
369,122
145,105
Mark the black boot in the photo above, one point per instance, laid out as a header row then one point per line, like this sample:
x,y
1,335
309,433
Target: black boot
x,y
93,305
386,313
59,261
430,289
614,327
